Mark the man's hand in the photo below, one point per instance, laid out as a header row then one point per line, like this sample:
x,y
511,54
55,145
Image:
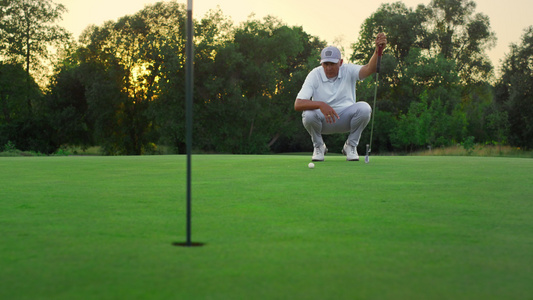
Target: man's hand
x,y
381,40
329,113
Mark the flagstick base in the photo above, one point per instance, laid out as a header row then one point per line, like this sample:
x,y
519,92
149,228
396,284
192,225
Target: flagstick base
x,y
185,244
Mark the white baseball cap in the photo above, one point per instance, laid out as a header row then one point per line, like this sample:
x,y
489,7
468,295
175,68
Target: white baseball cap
x,y
330,54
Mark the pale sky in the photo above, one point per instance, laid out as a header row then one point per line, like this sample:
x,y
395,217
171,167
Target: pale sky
x,y
508,19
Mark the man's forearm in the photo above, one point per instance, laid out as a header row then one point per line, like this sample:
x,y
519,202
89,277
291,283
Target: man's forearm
x,y
303,104
369,68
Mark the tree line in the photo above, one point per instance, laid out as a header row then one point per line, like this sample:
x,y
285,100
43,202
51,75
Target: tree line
x,y
121,86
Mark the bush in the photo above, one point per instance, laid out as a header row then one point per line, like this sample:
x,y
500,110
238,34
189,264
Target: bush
x,y
469,145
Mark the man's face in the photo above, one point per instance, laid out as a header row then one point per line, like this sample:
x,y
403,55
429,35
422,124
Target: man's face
x,y
331,69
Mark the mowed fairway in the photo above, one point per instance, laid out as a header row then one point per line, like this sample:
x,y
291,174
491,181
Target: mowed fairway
x,y
397,228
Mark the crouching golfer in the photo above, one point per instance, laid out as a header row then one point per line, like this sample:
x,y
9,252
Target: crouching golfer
x,y
328,102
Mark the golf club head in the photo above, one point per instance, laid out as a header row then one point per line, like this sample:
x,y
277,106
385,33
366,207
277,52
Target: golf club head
x,y
367,158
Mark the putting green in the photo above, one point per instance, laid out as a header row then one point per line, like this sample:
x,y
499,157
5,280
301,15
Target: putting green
x,y
396,228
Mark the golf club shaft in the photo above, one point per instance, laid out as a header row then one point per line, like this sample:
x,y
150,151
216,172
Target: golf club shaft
x,y
378,68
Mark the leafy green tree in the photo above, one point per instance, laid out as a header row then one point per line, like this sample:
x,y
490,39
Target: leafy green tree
x,y
514,90
448,28
437,116
288,133
497,125
404,28
15,121
476,104
66,107
28,30
249,92
128,66
405,31
437,50
435,77
211,33
460,35
428,123
12,82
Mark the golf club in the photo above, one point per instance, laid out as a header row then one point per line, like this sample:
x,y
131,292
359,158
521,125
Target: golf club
x,y
378,67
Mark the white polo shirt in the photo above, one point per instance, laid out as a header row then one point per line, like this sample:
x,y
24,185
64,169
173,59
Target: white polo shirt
x,y
339,92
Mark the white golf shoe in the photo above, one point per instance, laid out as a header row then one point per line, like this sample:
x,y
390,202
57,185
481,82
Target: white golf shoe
x,y
319,152
350,152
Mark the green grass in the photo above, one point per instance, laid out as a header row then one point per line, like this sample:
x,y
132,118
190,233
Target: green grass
x,y
397,228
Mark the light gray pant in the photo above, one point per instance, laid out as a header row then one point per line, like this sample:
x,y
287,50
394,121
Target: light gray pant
x,y
353,119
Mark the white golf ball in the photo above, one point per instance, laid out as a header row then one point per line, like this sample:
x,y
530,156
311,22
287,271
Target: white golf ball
x,y
311,165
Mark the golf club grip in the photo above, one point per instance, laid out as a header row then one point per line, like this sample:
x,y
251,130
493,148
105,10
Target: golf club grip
x,y
380,53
